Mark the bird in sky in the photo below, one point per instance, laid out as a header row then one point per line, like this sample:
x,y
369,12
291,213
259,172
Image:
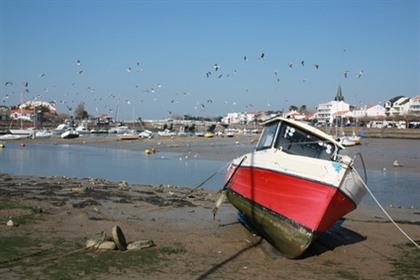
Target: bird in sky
x,y
262,55
346,73
216,67
245,58
42,75
78,62
360,74
290,65
316,66
302,62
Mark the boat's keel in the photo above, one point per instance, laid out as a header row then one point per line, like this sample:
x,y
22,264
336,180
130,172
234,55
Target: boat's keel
x,y
289,238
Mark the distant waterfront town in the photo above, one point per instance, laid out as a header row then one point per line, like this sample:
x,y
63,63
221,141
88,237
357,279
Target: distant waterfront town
x,y
400,112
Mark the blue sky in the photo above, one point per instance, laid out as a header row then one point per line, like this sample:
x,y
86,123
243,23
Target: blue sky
x,y
178,42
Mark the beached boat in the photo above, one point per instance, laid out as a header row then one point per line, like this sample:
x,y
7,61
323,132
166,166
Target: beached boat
x,y
10,136
71,133
121,129
82,129
146,134
166,133
294,186
129,136
26,132
60,129
43,133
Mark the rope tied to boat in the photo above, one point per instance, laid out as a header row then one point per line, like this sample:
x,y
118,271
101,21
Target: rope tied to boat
x,y
223,190
385,212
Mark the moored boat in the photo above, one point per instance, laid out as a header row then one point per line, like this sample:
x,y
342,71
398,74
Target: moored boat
x,y
294,186
69,134
129,136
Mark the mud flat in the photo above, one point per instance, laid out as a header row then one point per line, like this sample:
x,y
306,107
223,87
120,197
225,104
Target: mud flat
x,y
57,214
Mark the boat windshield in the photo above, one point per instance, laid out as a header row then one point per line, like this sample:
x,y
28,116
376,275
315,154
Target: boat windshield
x,y
267,136
294,140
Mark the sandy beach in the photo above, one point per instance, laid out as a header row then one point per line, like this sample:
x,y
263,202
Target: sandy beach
x,y
56,215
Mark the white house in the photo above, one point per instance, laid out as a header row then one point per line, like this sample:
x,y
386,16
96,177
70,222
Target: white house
x,y
375,111
239,118
369,111
232,118
326,112
414,106
397,106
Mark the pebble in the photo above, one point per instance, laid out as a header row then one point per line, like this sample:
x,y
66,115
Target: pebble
x,y
107,245
140,244
91,243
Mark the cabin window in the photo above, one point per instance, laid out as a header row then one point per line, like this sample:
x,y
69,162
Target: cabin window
x,y
267,136
293,140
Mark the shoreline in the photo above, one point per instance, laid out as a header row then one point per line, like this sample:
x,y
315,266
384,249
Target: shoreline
x,y
61,213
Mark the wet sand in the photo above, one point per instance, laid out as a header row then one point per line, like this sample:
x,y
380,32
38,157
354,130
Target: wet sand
x,y
58,214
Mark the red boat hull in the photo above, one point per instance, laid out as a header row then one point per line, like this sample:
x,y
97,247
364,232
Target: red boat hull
x,y
313,205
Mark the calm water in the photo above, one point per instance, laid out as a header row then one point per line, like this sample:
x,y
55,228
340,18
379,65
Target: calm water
x,y
112,164
396,187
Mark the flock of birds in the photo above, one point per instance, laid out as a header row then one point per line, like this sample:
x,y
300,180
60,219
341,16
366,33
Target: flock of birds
x,y
109,103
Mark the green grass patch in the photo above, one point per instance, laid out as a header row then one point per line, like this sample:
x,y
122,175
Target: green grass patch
x,y
29,215
93,264
408,265
342,274
60,259
14,247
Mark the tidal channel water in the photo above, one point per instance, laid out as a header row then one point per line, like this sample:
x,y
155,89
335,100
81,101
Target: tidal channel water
x,y
396,187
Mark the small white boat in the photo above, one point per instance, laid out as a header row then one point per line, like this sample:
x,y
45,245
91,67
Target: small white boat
x,y
60,129
28,132
119,129
146,134
71,133
43,133
166,133
129,136
347,141
10,136
82,129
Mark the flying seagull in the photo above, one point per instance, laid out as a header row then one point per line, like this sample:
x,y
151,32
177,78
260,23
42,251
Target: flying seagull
x,y
346,73
316,66
216,67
